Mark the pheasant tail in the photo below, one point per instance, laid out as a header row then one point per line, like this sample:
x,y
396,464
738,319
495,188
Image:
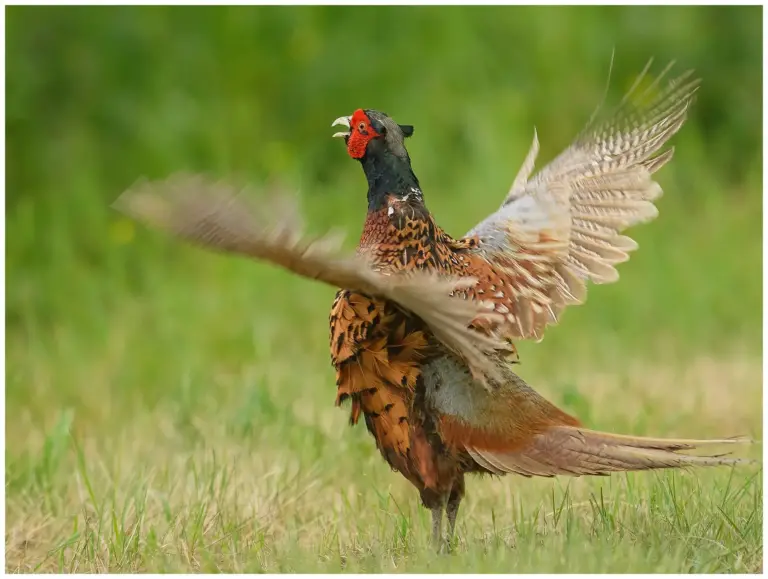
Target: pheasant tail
x,y
575,451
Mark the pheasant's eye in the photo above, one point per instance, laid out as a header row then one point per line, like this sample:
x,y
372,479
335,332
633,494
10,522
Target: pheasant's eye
x,y
361,126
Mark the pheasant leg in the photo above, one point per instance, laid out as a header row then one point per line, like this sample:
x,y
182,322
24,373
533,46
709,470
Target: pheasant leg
x,y
452,507
437,523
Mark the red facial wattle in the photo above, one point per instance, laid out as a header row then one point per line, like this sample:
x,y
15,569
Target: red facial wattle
x,y
360,134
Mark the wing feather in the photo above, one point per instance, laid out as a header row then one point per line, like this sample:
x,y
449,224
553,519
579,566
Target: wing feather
x,y
218,216
562,228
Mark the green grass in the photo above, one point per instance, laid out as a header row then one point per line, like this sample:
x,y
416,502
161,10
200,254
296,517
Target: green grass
x,y
172,410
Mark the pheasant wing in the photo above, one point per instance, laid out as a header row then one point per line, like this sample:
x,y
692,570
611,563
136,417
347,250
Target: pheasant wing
x,y
218,216
562,228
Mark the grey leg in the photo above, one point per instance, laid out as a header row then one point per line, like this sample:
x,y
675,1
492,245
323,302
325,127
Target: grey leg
x,y
435,502
452,508
437,524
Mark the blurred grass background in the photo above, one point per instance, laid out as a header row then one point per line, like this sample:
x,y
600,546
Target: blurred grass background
x,y
167,409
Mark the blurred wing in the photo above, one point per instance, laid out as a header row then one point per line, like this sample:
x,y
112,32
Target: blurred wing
x,y
217,216
561,228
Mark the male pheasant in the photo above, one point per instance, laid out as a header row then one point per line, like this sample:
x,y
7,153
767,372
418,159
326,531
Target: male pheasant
x,y
423,328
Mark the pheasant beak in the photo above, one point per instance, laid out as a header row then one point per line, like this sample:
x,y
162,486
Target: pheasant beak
x,y
344,121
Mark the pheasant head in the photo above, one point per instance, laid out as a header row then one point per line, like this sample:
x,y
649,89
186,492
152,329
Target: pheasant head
x,y
378,142
370,132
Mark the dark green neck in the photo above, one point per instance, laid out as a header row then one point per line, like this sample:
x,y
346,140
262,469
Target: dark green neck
x,y
388,174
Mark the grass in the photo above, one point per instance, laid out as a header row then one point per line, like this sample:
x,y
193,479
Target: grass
x,y
172,410
264,482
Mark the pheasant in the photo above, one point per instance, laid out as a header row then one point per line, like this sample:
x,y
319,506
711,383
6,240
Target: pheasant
x,y
422,330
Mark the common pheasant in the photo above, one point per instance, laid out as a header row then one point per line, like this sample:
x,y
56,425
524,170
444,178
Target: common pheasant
x,y
422,332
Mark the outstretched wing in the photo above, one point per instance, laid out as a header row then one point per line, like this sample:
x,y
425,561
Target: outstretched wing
x,y
561,228
217,216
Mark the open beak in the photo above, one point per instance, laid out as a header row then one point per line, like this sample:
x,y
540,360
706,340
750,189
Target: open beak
x,y
345,122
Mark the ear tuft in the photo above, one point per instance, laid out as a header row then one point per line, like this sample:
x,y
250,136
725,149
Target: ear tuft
x,y
407,130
